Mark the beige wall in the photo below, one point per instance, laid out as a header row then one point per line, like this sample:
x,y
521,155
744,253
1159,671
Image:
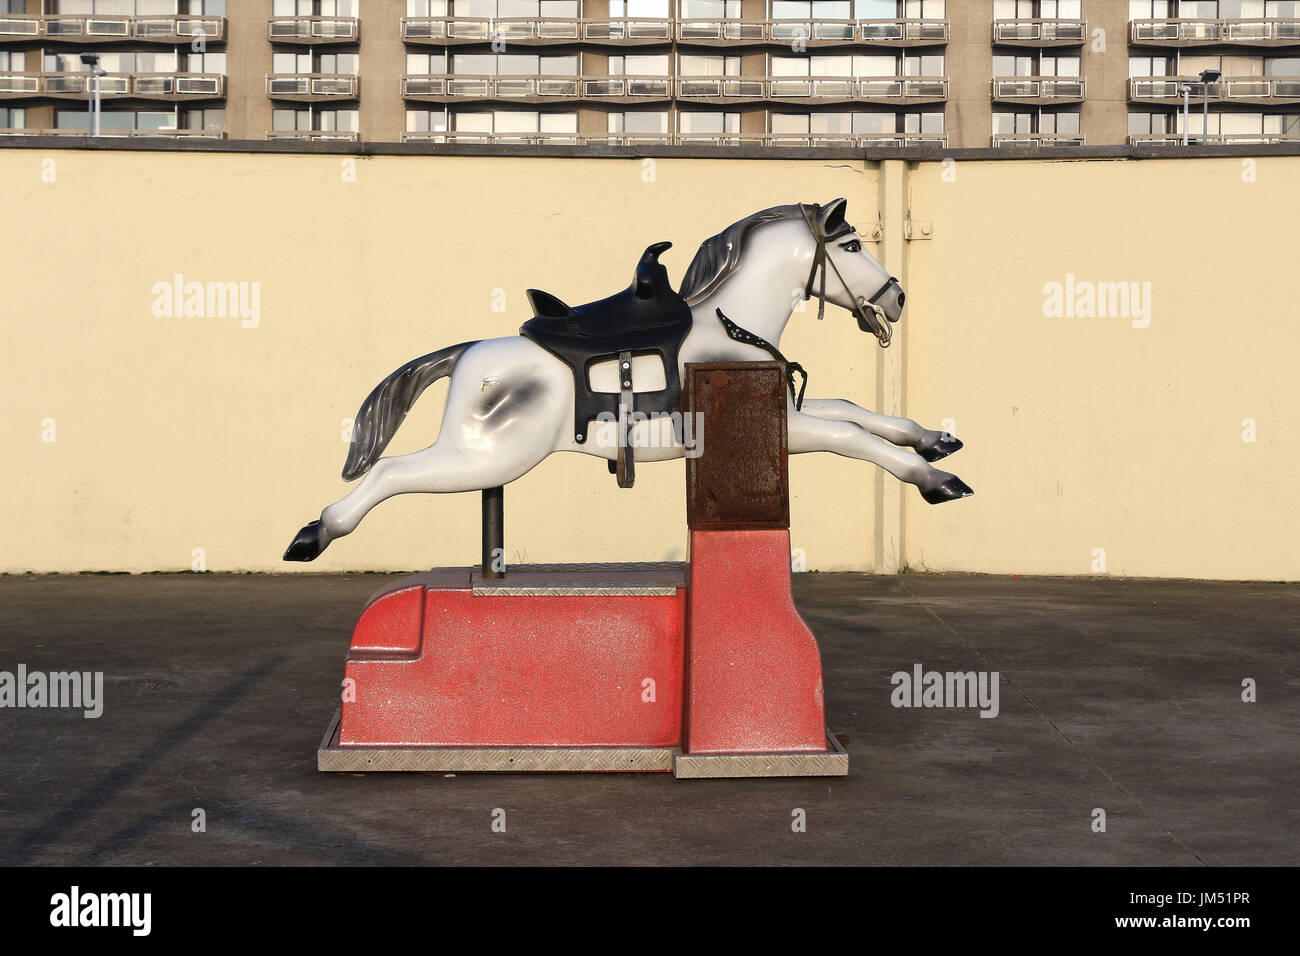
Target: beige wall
x,y
174,434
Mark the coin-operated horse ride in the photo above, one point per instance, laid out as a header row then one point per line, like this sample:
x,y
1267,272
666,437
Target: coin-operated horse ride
x,y
702,669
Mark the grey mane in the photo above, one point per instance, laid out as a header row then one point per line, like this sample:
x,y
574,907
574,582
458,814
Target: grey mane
x,y
719,256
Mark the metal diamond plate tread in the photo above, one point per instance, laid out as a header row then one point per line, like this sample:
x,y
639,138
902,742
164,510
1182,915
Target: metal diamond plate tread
x,y
331,757
833,763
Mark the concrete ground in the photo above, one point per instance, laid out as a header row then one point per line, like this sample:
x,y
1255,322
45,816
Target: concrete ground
x,y
1120,695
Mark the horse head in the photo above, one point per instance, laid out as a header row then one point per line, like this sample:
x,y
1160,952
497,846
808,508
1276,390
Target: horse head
x,y
845,274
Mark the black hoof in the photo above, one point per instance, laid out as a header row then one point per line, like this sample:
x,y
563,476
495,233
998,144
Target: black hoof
x,y
308,545
950,490
944,447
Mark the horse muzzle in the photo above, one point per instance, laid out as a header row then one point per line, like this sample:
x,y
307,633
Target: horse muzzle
x,y
878,314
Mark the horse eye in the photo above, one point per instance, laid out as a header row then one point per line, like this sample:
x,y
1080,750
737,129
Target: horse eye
x,y
853,246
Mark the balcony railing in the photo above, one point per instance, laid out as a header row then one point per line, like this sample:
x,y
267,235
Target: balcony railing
x,y
813,87
311,86
155,29
20,84
145,85
680,139
539,30
1038,88
1040,32
535,29
1216,139
1039,139
455,86
535,87
1189,32
313,29
315,135
1242,89
174,133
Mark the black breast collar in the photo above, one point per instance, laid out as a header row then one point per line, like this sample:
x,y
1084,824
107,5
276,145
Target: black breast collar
x,y
749,338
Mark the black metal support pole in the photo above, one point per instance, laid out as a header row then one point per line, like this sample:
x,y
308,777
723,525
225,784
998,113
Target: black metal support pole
x,y
494,532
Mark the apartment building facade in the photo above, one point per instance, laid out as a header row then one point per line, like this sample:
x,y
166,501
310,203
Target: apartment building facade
x,y
941,73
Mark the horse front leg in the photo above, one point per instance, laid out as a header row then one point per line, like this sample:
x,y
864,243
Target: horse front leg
x,y
929,444
810,433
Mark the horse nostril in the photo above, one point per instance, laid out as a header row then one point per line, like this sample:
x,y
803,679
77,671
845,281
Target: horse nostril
x,y
901,299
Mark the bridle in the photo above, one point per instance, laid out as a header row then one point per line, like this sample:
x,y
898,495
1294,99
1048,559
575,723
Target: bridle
x,y
871,317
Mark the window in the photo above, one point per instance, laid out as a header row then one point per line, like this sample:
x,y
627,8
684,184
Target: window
x,y
514,122
690,64
337,63
924,64
929,124
1007,124
1143,66
638,65
638,121
426,121
923,9
1142,124
710,9
426,64
317,8
120,120
1007,65
12,61
13,118
651,9
205,62
1059,65
812,9
205,119
1149,10
513,64
1062,124
339,121
308,120
701,123
425,8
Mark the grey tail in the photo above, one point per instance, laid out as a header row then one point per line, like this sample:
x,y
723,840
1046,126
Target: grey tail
x,y
385,407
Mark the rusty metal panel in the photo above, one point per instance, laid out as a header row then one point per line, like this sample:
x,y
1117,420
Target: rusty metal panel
x,y
740,482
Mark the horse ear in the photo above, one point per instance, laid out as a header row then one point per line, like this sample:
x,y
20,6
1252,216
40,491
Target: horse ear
x,y
832,216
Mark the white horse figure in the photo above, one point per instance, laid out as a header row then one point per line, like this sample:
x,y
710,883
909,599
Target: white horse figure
x,y
511,401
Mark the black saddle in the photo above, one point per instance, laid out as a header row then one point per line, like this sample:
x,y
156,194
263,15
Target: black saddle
x,y
646,318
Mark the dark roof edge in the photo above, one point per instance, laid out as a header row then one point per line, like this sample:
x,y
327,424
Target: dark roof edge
x,y
876,154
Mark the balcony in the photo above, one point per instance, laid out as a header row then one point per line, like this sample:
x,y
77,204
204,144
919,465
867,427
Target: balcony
x,y
155,133
1216,139
894,33
1187,32
722,89
315,135
1035,140
1038,90
1040,33
540,31
536,89
1258,90
20,84
535,31
149,86
104,29
313,30
312,87
856,140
